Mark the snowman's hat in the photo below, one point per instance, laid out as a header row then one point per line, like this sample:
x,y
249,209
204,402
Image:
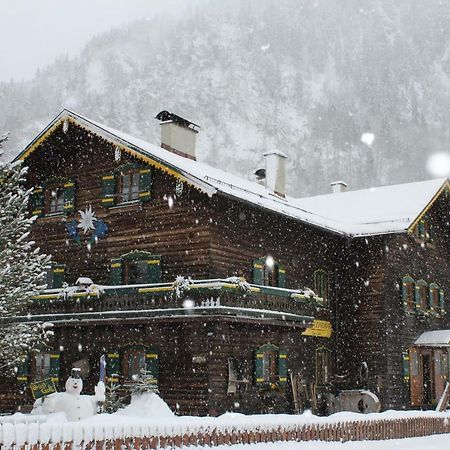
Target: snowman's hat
x,y
75,373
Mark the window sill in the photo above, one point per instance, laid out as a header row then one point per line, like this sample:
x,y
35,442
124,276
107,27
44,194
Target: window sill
x,y
126,206
53,217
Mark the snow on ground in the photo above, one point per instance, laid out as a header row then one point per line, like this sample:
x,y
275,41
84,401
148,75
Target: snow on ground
x,y
437,442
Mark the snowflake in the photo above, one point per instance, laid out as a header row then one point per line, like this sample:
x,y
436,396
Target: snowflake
x,y
87,219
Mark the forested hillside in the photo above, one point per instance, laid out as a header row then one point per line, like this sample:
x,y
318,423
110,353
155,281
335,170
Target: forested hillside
x,y
306,77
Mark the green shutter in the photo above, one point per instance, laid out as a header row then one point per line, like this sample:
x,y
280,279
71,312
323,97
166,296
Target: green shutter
x,y
154,269
258,271
108,190
281,276
441,301
259,370
422,229
116,272
152,367
55,366
405,357
282,367
404,284
37,201
69,197
113,366
417,297
145,179
58,275
23,370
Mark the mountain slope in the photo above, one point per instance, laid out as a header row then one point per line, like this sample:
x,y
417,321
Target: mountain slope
x,y
305,77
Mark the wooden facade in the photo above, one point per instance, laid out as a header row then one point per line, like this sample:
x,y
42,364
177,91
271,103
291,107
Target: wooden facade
x,y
213,356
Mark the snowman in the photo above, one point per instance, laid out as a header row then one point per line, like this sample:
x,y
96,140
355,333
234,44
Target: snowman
x,y
70,402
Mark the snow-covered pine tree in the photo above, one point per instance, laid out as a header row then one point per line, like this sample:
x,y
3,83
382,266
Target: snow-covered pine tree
x,y
22,270
3,139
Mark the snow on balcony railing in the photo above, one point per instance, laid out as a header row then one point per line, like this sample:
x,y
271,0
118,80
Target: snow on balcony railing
x,y
180,286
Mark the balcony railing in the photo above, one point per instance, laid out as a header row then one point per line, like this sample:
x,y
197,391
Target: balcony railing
x,y
230,297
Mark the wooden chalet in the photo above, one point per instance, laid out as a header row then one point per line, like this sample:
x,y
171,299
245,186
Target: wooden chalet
x,y
224,293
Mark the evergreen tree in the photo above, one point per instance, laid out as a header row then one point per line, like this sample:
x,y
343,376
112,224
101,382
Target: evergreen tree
x,y
22,270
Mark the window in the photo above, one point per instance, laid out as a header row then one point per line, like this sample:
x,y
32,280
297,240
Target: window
x,y
134,364
321,283
136,268
423,231
53,198
128,183
270,365
267,272
42,366
128,187
323,366
421,295
408,293
135,272
46,365
56,201
131,364
55,276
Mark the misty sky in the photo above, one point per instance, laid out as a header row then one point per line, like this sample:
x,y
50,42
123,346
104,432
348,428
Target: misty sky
x,y
34,32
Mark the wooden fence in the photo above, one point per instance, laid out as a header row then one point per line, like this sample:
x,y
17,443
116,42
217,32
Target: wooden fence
x,y
70,437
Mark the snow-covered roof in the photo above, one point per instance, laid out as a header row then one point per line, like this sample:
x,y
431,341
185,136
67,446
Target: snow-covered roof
x,y
388,209
437,338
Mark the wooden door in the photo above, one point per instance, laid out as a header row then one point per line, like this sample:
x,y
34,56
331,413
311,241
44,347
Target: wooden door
x,y
427,369
415,377
439,373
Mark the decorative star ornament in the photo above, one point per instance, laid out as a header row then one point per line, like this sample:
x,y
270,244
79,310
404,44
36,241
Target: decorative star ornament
x,y
87,219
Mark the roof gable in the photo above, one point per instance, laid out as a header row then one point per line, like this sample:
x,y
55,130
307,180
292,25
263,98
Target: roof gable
x,y
388,209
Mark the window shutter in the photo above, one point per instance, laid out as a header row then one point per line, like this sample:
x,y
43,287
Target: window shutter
x,y
113,366
154,269
281,276
23,370
58,275
405,357
145,179
415,378
441,301
37,201
259,369
417,297
69,197
258,271
421,229
282,367
152,367
116,272
108,190
405,292
54,366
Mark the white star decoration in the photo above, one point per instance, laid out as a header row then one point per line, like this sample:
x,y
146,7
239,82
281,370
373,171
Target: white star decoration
x,y
87,219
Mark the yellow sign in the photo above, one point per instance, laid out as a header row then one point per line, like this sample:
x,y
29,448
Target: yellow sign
x,y
42,388
320,328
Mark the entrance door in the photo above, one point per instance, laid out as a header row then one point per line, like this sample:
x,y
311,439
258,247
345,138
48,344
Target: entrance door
x,y
427,378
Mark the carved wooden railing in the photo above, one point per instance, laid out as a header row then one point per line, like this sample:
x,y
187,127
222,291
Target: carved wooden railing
x,y
199,297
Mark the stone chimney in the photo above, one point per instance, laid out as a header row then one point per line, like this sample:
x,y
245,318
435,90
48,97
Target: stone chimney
x,y
178,135
275,172
338,186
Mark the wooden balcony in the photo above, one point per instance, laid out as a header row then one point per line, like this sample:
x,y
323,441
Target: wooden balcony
x,y
216,297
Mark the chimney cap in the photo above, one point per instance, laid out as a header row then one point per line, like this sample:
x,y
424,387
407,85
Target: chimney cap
x,y
166,116
275,152
339,182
